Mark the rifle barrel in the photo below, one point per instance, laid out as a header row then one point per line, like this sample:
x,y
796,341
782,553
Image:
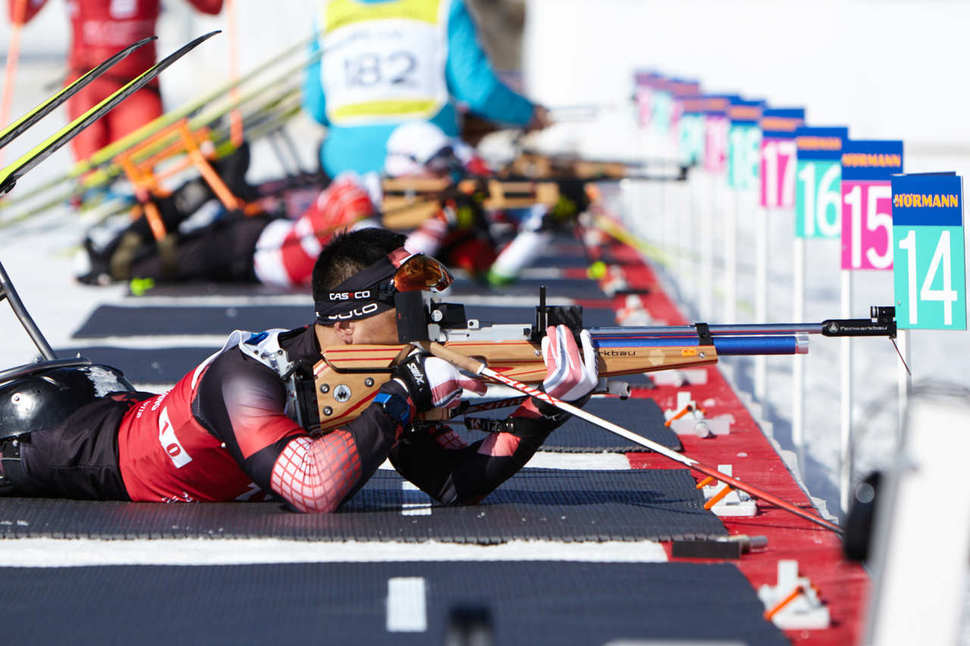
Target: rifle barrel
x,y
725,345
740,329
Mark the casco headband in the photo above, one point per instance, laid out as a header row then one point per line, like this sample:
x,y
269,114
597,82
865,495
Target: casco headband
x,y
366,293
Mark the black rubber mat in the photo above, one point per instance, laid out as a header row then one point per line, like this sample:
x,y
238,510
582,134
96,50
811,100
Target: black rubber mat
x,y
555,288
154,320
149,320
348,603
565,255
145,366
592,316
197,289
550,504
642,416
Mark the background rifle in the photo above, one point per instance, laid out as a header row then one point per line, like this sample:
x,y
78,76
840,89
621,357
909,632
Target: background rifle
x,y
536,165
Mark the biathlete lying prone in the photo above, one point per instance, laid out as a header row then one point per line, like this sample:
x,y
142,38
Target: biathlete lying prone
x,y
229,424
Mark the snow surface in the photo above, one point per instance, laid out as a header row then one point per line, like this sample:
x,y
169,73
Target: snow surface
x,y
38,256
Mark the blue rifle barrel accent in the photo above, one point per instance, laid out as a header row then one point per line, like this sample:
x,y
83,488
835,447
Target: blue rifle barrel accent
x,y
725,345
740,329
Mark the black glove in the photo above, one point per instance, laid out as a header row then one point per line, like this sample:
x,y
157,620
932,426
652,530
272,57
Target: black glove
x,y
433,382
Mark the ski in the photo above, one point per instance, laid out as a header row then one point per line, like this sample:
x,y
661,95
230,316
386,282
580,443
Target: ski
x,y
257,125
106,154
10,174
18,127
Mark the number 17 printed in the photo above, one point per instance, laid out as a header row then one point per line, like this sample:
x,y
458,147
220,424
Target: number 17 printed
x,y
778,173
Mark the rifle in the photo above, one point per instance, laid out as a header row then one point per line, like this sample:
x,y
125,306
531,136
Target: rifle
x,y
345,380
535,165
407,202
348,376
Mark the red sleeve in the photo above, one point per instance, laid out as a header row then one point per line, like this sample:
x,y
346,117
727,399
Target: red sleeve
x,y
207,6
29,7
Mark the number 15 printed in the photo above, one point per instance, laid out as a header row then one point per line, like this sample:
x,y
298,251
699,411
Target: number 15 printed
x,y
867,225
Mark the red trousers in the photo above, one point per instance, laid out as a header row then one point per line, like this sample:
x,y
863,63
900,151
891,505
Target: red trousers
x,y
129,115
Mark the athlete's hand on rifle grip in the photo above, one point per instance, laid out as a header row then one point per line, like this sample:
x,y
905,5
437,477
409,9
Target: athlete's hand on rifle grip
x,y
433,382
570,375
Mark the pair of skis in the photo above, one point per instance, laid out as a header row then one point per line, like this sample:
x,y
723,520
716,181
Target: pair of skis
x,y
93,168
13,172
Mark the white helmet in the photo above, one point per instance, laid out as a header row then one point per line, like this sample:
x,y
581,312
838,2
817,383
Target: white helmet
x,y
412,145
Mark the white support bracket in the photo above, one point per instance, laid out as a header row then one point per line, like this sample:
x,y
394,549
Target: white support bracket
x,y
735,504
793,603
694,422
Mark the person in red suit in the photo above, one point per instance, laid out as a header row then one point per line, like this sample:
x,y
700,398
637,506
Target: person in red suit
x,y
99,28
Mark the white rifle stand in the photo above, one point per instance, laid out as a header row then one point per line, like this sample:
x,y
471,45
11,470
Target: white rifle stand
x,y
682,377
736,503
793,603
614,281
633,313
694,422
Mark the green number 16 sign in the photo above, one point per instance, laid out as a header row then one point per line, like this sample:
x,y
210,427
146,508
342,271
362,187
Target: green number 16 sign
x,y
929,268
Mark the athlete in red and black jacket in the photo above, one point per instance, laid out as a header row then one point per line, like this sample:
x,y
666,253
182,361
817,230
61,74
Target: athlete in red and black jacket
x,y
223,432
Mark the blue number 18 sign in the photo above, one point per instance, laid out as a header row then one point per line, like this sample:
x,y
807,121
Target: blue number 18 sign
x,y
929,272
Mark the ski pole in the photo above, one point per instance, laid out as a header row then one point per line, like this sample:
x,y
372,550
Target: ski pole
x,y
479,368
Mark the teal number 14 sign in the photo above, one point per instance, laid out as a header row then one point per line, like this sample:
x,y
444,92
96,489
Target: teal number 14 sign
x,y
929,268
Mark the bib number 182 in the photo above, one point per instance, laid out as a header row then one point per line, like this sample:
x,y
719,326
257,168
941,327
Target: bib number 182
x,y
370,69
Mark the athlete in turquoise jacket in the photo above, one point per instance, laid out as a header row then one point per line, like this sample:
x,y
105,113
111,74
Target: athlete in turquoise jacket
x,y
386,62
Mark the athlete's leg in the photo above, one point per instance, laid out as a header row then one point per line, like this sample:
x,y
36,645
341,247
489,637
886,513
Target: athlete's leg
x,y
134,112
96,136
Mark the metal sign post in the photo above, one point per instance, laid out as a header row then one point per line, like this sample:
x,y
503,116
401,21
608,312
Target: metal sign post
x,y
743,166
867,221
715,165
777,195
818,178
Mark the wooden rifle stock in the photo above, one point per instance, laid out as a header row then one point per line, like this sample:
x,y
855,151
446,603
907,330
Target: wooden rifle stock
x,y
407,202
348,377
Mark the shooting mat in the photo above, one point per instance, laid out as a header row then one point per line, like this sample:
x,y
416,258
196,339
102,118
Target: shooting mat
x,y
535,504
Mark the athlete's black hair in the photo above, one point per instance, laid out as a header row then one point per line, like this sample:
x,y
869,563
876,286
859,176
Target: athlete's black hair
x,y
348,253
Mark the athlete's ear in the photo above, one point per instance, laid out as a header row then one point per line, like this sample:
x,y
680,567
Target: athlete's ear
x,y
344,331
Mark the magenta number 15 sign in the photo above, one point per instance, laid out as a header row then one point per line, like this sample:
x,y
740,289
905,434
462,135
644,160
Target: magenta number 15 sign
x,y
778,156
867,216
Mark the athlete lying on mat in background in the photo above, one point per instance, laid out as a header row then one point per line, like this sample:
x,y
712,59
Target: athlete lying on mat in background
x,y
205,242
228,424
